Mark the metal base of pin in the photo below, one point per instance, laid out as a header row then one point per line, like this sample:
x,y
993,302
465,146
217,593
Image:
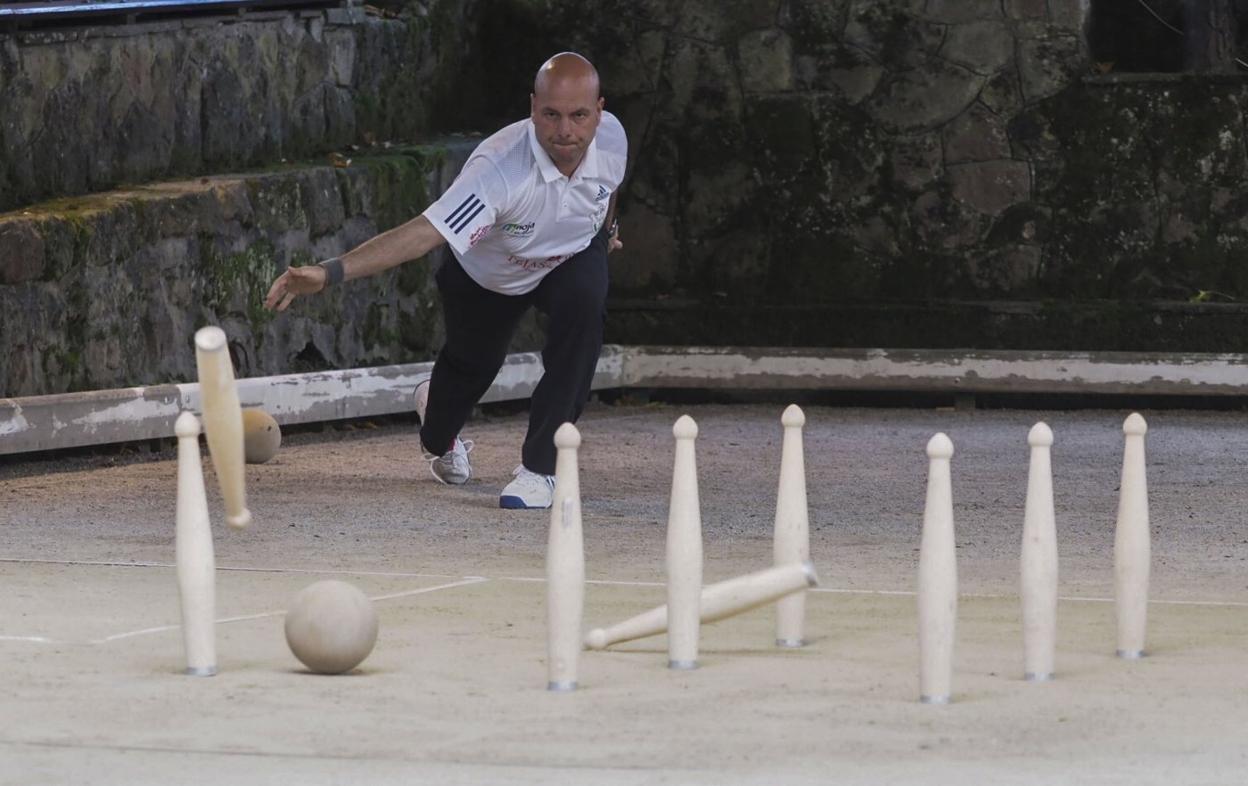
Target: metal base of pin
x,y
1130,654
790,643
682,665
201,671
934,699
561,687
1033,677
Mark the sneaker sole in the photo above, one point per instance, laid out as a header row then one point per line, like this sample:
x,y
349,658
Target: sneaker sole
x,y
515,503
445,482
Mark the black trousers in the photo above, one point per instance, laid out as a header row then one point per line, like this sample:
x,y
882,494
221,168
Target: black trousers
x,y
479,326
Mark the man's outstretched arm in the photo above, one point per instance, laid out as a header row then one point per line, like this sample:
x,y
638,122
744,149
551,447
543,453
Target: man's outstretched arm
x,y
411,240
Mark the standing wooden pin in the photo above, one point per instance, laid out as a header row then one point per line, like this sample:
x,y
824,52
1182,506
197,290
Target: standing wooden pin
x,y
792,528
938,578
565,566
1132,546
223,421
195,560
684,552
1038,564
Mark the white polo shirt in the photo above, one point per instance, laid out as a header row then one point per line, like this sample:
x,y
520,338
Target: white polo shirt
x,y
511,217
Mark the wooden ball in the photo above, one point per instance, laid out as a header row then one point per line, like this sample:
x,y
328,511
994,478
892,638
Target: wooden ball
x,y
261,436
331,627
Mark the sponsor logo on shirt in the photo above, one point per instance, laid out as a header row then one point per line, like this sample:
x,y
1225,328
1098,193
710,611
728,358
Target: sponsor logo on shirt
x,y
463,215
519,230
603,193
477,234
541,263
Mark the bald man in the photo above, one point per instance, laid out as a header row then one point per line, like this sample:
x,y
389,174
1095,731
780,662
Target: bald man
x,y
530,221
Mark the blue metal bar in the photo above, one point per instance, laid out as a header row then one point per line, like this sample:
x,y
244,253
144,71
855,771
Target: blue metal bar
x,y
31,11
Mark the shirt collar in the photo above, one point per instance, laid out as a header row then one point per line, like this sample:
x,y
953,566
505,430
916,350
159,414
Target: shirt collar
x,y
550,172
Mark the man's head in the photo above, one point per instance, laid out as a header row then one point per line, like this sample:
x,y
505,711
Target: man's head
x,y
566,108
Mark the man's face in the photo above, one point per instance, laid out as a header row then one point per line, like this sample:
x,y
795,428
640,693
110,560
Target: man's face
x,y
565,115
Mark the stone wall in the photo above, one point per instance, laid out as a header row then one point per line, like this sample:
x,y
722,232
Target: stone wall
x,y
821,149
86,109
895,173
957,161
106,291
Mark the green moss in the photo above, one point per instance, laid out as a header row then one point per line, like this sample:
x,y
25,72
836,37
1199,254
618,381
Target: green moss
x,y
246,275
400,181
411,277
816,22
415,333
277,203
378,328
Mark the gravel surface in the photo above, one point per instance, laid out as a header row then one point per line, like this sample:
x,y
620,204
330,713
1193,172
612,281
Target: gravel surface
x,y
453,693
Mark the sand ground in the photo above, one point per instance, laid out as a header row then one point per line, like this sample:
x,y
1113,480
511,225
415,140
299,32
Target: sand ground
x,y
454,692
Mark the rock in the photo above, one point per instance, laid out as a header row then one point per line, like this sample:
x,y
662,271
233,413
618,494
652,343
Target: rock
x,y
957,11
916,160
975,135
982,47
722,20
1069,14
892,34
1027,9
814,22
1002,94
782,129
766,61
320,201
990,187
21,252
1047,66
923,99
1008,270
838,68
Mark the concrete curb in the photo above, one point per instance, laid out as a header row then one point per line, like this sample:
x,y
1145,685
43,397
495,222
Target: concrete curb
x,y
130,414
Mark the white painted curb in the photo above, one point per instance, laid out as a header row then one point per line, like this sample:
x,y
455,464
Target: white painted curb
x,y
130,414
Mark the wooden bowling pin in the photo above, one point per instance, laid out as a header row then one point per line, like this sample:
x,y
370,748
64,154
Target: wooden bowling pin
x,y
1132,543
196,565
565,566
1038,563
223,421
684,552
792,528
938,578
719,601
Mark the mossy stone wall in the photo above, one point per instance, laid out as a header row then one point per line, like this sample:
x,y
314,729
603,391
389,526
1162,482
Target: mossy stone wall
x,y
897,173
89,108
106,290
936,160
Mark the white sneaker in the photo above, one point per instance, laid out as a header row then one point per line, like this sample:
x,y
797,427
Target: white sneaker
x,y
453,467
528,491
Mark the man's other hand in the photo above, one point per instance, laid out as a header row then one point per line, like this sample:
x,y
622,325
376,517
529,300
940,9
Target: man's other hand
x,y
306,280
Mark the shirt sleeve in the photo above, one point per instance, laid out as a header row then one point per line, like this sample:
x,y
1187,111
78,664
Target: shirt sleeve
x,y
613,149
465,214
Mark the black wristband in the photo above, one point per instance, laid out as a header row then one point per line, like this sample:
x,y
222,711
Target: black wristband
x,y
333,271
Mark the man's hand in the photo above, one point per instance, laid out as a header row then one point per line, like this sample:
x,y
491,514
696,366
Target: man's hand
x,y
306,280
613,232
